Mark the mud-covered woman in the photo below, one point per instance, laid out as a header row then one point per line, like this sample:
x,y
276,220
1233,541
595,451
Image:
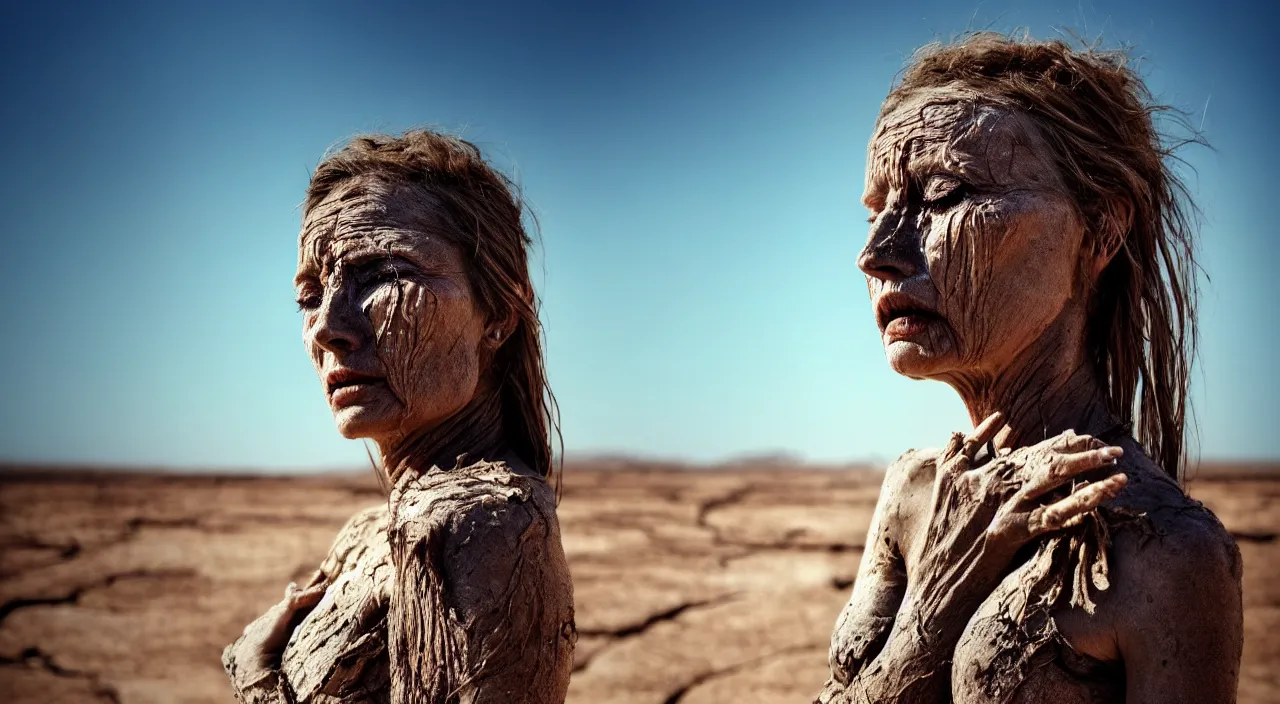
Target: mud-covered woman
x,y
1031,247
419,316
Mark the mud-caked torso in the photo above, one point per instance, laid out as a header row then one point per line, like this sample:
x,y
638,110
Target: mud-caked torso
x,y
1048,632
339,650
465,554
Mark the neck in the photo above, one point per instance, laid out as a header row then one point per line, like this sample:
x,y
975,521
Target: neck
x,y
1050,387
472,434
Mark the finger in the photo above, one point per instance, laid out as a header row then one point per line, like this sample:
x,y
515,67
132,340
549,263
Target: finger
x,y
1063,467
1059,515
1069,441
983,434
307,598
953,446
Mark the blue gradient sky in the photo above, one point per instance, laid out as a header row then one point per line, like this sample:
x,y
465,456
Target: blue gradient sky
x,y
695,167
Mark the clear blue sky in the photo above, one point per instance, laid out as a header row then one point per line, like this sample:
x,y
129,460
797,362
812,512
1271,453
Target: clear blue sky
x,y
696,168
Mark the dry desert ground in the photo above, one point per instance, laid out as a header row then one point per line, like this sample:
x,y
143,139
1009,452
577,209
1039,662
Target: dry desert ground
x,y
691,586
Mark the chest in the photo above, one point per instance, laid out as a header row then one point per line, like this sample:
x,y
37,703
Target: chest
x,y
1012,651
338,652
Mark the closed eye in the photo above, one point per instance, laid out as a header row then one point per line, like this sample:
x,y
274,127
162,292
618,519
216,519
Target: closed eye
x,y
385,270
942,191
875,205
308,301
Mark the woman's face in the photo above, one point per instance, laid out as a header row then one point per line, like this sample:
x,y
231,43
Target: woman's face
x,y
388,314
975,246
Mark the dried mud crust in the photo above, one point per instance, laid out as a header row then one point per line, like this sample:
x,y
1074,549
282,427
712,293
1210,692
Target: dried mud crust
x,y
689,586
458,592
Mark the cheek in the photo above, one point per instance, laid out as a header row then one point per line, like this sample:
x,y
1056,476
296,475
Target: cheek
x,y
1003,269
314,351
428,344
962,250
401,316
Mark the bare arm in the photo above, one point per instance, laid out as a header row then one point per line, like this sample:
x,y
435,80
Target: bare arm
x,y
865,622
1182,637
876,652
253,661
482,607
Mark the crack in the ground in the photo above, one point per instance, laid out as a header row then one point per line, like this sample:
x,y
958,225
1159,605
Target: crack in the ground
x,y
727,499
73,549
787,543
617,635
752,549
580,665
34,657
137,523
680,692
31,542
786,546
654,619
132,527
75,594
667,544
1253,537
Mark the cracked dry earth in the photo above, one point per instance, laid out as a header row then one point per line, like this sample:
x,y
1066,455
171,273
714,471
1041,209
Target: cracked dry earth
x,y
691,586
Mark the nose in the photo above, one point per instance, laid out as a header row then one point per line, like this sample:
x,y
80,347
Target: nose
x,y
340,327
893,251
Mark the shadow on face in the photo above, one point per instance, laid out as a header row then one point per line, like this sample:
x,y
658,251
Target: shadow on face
x,y
389,316
975,246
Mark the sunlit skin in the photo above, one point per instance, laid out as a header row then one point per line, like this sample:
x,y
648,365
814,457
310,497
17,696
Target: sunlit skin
x,y
388,315
975,265
956,189
403,608
979,270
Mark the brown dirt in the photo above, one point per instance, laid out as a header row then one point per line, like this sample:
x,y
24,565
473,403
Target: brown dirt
x,y
691,586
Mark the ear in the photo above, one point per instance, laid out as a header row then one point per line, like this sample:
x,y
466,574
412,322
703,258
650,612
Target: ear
x,y
1110,231
499,329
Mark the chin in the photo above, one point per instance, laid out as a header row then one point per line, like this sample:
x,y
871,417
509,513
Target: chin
x,y
355,422
914,360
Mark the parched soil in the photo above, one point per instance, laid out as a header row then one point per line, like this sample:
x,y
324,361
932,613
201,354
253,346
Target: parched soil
x,y
691,586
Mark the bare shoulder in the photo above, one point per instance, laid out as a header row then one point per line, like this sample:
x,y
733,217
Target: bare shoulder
x,y
1176,570
364,531
503,511
913,467
482,545
1159,532
478,523
484,530
486,496
1175,599
907,488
